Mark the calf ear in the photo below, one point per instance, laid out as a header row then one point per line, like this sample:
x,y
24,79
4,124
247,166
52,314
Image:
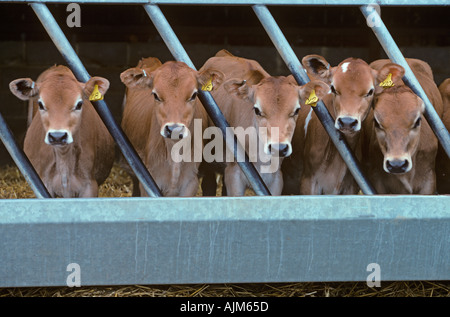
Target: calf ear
x,y
317,67
389,75
239,88
137,78
102,84
210,79
23,88
320,88
421,103
149,62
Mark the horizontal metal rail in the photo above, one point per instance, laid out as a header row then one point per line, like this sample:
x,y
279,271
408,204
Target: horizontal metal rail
x,y
22,161
396,56
251,2
80,72
320,110
257,239
179,53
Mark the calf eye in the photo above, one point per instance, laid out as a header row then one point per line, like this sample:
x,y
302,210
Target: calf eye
x,y
257,111
417,123
41,105
78,105
370,93
333,90
156,96
295,112
194,95
377,125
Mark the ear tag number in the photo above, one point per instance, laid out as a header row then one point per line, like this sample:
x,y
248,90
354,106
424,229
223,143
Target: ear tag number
x,y
387,82
208,85
96,94
312,99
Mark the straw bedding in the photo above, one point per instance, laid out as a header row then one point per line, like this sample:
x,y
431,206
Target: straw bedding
x,y
13,185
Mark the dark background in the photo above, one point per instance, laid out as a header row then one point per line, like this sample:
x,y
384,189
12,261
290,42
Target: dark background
x,y
113,38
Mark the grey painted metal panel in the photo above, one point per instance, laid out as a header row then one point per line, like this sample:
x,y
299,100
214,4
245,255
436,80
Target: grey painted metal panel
x,y
224,240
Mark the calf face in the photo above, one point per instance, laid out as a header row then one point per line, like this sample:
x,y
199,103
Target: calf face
x,y
397,122
352,85
60,99
174,88
277,102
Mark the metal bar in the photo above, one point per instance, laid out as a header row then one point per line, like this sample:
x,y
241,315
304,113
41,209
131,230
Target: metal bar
x,y
321,111
396,56
179,53
22,161
224,240
74,62
250,2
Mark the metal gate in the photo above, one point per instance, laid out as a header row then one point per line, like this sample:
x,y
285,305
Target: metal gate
x,y
222,240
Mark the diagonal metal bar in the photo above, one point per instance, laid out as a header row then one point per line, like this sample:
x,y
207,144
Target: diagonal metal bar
x,y
179,53
294,65
74,62
22,161
396,56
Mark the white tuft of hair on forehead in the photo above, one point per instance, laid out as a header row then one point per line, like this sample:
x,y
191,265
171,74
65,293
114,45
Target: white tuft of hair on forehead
x,y
344,67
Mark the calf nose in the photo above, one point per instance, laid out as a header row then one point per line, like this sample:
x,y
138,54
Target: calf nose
x,y
58,138
174,131
283,149
397,166
347,123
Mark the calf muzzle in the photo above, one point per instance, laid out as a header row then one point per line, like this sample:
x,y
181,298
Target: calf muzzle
x,y
58,138
347,124
174,131
282,149
397,166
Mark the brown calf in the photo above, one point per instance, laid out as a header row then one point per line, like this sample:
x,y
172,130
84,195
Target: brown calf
x,y
442,159
402,147
161,105
316,167
66,142
250,98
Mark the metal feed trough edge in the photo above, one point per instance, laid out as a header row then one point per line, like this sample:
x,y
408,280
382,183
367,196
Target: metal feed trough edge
x,y
223,240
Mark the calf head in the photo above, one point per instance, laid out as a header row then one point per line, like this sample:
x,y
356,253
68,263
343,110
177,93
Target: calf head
x,y
397,121
60,99
174,88
352,84
276,103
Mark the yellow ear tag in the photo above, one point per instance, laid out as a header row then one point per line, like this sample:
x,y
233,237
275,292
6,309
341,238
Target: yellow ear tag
x,y
387,82
96,94
208,85
312,99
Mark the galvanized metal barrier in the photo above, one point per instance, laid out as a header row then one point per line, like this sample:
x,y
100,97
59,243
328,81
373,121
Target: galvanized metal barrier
x,y
114,241
256,239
